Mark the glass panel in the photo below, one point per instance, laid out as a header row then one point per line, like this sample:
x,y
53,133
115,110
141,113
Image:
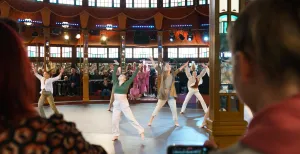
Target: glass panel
x,y
188,53
128,53
153,4
92,2
104,3
202,2
223,6
55,52
69,2
189,2
142,52
53,1
32,51
172,53
166,3
233,18
79,52
113,52
116,3
42,51
39,0
155,53
175,3
141,3
97,52
235,6
204,52
223,103
129,3
78,2
66,52
234,104
223,24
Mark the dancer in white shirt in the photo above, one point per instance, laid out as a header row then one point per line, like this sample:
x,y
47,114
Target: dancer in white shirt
x,y
193,83
47,90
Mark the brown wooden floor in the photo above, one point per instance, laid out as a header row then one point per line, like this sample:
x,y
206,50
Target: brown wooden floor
x,y
95,123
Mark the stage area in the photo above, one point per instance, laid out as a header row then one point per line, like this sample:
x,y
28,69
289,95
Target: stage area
x,y
94,121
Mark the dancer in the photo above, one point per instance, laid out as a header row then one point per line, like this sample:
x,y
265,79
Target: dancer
x,y
111,100
166,90
193,83
47,90
121,104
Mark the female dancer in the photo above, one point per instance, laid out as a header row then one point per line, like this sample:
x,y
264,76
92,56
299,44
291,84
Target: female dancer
x,y
166,90
47,90
110,105
193,83
121,103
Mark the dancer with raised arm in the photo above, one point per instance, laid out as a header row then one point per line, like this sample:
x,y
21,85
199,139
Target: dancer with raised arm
x,y
193,83
166,90
46,90
111,100
121,103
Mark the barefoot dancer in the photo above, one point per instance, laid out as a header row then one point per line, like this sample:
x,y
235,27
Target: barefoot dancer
x,y
121,104
193,83
166,90
47,90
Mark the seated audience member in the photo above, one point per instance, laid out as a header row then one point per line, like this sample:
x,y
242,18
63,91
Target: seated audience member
x,y
74,82
105,88
265,47
135,93
22,130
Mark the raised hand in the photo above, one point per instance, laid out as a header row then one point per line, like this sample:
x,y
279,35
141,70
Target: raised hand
x,y
186,64
116,62
33,68
62,70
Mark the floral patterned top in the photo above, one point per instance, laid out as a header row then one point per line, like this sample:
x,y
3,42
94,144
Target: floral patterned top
x,y
42,136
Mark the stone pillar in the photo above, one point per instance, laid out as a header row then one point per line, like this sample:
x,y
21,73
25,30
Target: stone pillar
x,y
226,120
85,79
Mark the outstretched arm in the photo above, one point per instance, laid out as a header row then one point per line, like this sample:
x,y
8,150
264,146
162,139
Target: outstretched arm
x,y
187,72
183,66
59,76
130,80
114,74
156,66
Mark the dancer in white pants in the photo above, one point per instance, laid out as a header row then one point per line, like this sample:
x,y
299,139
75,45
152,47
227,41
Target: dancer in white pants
x,y
193,83
167,91
121,104
46,90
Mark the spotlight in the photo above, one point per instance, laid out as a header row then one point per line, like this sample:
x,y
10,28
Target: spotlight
x,y
67,37
181,37
190,36
205,37
172,37
103,38
47,43
78,36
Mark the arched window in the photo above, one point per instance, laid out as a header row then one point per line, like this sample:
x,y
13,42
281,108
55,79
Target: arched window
x,y
141,3
104,3
223,23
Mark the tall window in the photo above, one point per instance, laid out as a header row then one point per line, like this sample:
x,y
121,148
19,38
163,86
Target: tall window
x,y
113,52
188,53
92,2
117,3
172,53
66,52
128,52
166,3
223,24
32,51
97,52
78,2
155,53
142,52
141,3
203,2
39,0
175,3
79,52
42,51
204,52
189,2
55,52
104,3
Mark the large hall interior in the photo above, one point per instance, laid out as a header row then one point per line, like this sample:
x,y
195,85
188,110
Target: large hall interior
x,y
78,43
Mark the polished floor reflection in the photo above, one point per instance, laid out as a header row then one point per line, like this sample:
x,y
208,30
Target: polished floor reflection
x,y
95,123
